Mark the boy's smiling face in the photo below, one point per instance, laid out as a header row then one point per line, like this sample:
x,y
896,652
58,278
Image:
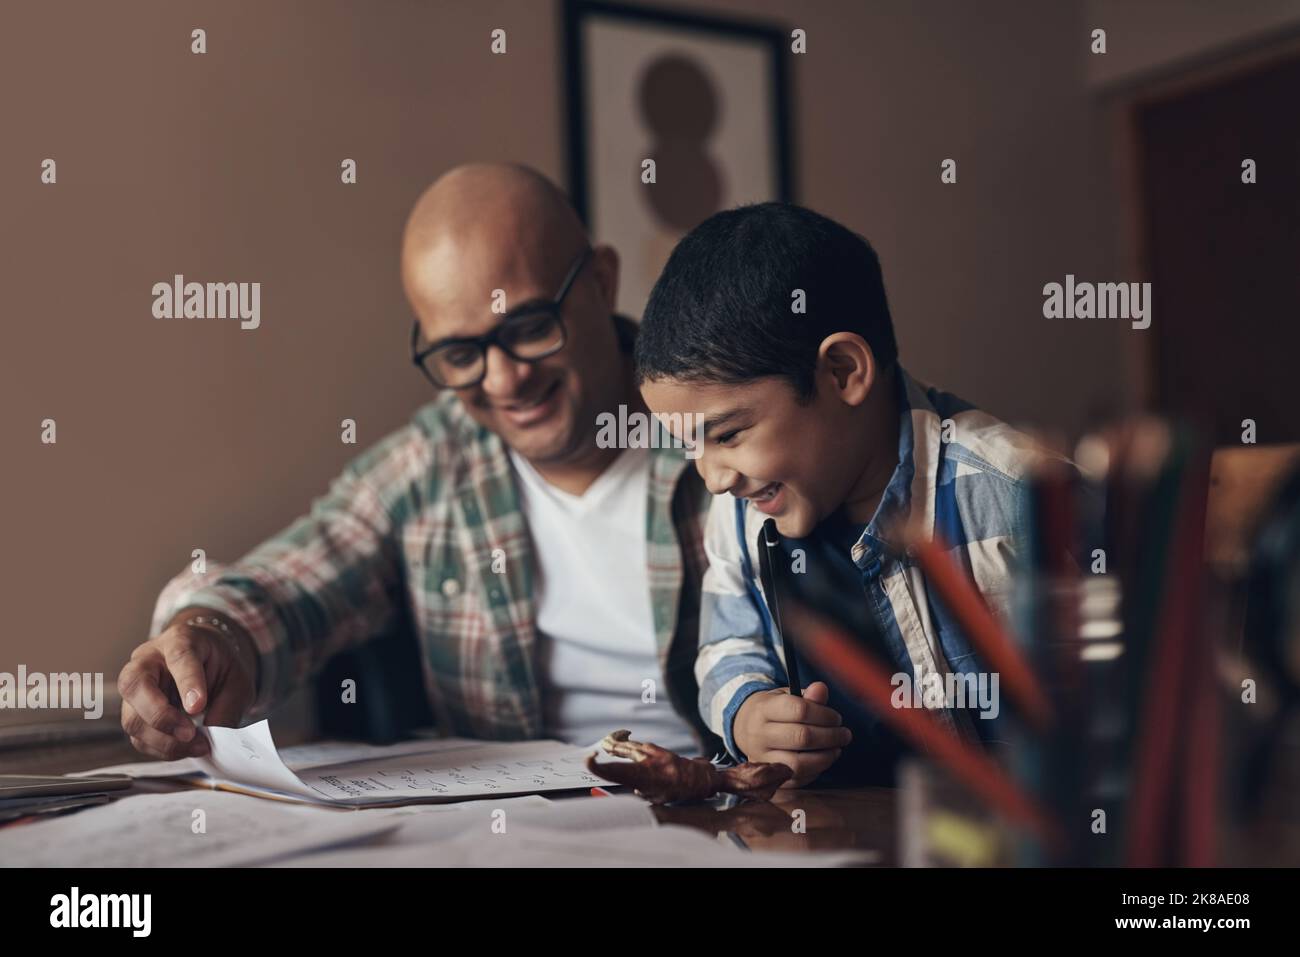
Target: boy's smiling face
x,y
795,461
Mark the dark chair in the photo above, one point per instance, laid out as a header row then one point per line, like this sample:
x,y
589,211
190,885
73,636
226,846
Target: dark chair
x,y
391,699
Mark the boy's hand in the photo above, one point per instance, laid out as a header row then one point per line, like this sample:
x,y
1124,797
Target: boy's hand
x,y
801,733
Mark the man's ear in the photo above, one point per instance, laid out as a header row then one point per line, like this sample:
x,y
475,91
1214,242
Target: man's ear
x,y
604,266
849,366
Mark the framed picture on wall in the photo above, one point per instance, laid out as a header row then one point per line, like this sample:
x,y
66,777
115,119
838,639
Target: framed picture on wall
x,y
672,117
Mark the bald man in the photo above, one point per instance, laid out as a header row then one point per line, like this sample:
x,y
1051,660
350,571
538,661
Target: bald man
x,y
553,583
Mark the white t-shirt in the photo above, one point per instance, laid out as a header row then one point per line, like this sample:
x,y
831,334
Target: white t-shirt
x,y
596,628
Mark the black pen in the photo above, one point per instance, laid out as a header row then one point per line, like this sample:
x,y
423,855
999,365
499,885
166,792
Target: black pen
x,y
770,541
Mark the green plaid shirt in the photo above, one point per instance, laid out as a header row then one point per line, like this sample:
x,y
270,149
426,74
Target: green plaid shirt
x,y
422,519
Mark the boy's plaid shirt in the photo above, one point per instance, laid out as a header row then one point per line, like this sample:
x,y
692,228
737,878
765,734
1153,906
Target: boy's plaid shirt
x,y
421,518
969,484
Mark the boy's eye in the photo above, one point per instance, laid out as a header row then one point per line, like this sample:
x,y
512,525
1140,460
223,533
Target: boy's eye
x,y
726,437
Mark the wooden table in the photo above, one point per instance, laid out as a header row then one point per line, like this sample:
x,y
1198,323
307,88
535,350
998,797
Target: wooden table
x,y
832,820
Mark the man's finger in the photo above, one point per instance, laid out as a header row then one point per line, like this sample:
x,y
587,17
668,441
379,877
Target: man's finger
x,y
155,743
138,684
185,656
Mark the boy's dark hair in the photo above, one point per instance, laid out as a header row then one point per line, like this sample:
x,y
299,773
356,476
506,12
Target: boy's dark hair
x,y
722,309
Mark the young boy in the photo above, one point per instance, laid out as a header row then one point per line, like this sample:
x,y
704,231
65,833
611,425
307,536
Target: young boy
x,y
771,322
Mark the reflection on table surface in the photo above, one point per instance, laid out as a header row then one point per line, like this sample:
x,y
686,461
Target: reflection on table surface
x,y
839,819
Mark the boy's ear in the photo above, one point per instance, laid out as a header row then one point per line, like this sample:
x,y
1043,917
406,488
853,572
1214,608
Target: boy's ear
x,y
849,364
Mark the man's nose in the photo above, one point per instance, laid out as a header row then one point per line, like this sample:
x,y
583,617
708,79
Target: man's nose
x,y
718,478
503,375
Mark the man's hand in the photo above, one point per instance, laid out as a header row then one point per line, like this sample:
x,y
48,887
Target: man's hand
x,y
801,733
179,673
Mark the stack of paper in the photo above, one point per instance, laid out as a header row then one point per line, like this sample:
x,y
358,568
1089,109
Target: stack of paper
x,y
448,769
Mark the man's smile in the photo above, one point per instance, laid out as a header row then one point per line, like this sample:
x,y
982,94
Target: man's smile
x,y
531,411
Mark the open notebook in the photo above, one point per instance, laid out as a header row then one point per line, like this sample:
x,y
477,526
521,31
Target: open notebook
x,y
434,770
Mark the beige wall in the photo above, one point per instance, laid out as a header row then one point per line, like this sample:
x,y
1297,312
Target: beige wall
x,y
1147,38
173,436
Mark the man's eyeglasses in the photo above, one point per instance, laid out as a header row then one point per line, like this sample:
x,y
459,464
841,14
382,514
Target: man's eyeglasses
x,y
533,332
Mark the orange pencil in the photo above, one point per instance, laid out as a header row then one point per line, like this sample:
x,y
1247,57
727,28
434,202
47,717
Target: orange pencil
x,y
967,605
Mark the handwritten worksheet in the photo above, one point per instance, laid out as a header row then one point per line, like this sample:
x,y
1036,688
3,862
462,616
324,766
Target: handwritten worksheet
x,y
448,769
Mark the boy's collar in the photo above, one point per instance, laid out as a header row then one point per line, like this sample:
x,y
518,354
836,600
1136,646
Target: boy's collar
x,y
913,479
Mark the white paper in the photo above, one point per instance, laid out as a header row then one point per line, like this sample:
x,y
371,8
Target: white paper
x,y
159,830
184,767
312,755
424,823
450,770
296,758
665,846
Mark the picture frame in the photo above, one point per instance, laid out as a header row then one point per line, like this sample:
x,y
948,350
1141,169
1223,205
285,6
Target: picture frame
x,y
704,99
